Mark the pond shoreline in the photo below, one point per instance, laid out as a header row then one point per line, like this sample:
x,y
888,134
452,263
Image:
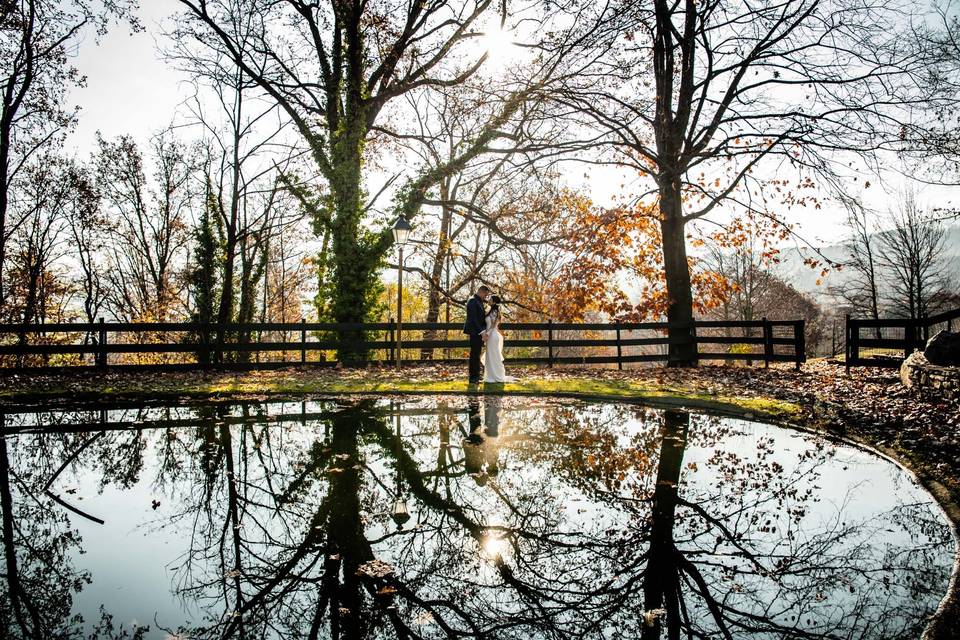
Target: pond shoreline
x,y
868,408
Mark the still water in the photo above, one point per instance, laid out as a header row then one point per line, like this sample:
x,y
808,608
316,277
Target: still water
x,y
455,517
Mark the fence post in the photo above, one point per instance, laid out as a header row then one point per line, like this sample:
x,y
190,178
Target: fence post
x,y
619,348
693,336
850,342
18,361
799,343
303,340
909,337
767,342
205,344
393,341
102,339
550,343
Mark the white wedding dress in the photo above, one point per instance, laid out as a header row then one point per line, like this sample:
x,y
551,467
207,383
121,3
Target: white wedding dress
x,y
493,370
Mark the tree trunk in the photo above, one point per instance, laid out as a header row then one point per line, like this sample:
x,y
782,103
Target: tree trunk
x,y
433,301
4,205
354,271
245,304
661,587
225,311
676,270
18,597
345,528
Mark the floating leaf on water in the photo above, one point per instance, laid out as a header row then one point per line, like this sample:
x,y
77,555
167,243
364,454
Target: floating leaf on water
x,y
423,618
375,569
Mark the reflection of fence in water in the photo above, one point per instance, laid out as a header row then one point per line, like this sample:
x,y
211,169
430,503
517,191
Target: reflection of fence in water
x,y
133,416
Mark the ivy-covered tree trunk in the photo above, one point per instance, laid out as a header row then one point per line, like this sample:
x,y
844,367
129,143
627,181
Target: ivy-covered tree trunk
x,y
355,258
253,266
353,271
227,294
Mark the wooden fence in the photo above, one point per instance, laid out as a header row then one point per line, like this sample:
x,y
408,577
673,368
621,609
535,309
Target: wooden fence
x,y
165,345
869,342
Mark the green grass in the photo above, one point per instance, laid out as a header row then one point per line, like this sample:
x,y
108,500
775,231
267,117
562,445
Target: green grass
x,y
227,385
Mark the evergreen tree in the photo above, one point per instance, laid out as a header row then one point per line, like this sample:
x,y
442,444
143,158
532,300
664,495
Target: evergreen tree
x,y
202,278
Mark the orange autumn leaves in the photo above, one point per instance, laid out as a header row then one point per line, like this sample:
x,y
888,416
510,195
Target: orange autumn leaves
x,y
607,254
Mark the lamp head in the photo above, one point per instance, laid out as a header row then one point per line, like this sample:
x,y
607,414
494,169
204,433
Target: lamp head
x,y
401,513
401,231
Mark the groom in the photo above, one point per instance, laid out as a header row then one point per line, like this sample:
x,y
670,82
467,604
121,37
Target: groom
x,y
474,327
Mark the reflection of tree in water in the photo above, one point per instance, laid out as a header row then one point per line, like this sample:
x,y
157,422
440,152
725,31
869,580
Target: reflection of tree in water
x,y
588,522
39,578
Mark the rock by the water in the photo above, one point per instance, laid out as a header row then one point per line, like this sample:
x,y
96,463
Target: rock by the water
x,y
909,368
944,348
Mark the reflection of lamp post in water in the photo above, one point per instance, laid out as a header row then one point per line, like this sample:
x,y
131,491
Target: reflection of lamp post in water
x,y
401,514
401,231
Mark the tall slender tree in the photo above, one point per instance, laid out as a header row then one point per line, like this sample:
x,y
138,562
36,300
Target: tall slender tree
x,y
744,104
861,293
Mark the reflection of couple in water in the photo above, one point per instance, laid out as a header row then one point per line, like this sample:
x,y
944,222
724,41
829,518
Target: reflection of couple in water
x,y
481,449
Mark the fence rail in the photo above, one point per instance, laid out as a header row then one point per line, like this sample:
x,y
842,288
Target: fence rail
x,y
869,341
191,345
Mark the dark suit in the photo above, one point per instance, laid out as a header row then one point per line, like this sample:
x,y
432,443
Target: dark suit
x,y
475,324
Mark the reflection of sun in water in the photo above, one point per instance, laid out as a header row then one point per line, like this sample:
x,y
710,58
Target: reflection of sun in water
x,y
498,44
494,546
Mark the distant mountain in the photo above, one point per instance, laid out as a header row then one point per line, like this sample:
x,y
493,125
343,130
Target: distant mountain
x,y
804,279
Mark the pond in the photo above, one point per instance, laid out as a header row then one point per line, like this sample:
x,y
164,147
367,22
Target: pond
x,y
468,517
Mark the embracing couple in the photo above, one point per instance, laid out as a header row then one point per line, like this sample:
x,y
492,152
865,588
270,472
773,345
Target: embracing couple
x,y
483,327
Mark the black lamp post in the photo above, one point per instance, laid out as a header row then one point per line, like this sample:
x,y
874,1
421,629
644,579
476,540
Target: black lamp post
x,y
401,231
401,513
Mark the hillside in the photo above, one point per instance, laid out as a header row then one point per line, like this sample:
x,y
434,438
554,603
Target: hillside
x,y
793,270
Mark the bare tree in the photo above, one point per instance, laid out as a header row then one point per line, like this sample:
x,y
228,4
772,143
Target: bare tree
x,y
861,292
149,216
911,257
36,40
243,134
933,140
709,99
85,226
37,282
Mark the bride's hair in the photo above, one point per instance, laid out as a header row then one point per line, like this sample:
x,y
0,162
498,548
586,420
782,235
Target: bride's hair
x,y
494,304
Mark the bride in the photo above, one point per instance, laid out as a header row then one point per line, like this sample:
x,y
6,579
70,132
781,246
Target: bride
x,y
493,359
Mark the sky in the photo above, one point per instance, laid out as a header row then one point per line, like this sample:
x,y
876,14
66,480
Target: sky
x,y
131,90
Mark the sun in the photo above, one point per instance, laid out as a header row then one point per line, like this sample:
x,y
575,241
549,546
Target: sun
x,y
493,547
498,44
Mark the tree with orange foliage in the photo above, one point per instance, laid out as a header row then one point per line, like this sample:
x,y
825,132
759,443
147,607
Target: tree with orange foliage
x,y
596,251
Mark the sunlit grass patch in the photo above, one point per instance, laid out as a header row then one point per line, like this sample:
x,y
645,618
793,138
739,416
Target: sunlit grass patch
x,y
641,389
